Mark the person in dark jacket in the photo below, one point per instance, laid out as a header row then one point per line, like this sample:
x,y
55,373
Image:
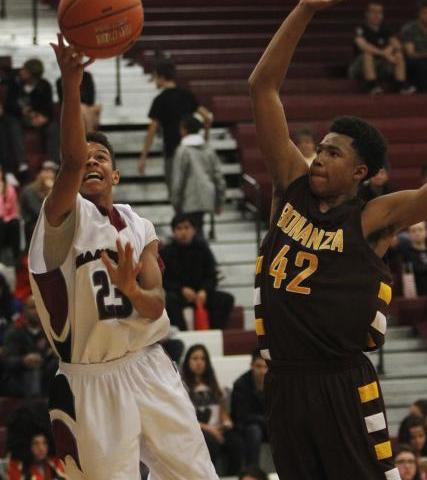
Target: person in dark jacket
x,y
190,276
248,408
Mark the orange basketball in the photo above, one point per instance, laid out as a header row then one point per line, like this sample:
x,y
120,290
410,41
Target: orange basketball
x,y
101,28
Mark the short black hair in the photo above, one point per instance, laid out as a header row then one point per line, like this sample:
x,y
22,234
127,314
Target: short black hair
x,y
411,421
191,124
254,472
181,218
422,4
165,68
98,137
368,142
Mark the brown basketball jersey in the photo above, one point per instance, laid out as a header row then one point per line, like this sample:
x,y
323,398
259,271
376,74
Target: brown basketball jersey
x,y
320,290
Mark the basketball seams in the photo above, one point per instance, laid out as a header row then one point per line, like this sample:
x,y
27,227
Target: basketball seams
x,y
66,10
82,47
88,22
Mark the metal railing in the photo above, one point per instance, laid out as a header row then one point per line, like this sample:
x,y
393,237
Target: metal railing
x,y
35,21
257,207
3,11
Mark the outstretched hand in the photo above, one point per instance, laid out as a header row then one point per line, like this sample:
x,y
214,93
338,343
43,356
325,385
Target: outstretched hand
x,y
319,4
125,272
70,61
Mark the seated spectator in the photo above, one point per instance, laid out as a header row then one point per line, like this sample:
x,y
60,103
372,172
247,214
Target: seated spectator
x,y
414,37
10,308
406,463
419,409
10,238
209,402
376,186
28,360
413,433
190,276
12,147
31,101
33,195
378,53
91,112
248,408
412,250
253,473
306,142
31,447
198,185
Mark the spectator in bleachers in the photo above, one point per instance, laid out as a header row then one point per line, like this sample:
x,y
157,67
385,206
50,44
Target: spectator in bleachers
x,y
305,140
406,463
33,196
412,432
166,112
30,445
12,147
190,276
10,308
248,408
90,110
412,249
414,37
419,409
376,186
9,220
198,185
209,402
29,363
253,473
31,101
378,53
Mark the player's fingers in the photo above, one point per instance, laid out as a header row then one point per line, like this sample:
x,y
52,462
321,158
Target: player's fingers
x,y
120,251
129,255
55,48
89,62
108,264
60,40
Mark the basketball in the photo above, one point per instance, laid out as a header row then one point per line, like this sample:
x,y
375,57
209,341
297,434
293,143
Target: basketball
x,y
101,28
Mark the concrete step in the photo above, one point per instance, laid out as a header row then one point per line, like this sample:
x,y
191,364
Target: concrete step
x,y
155,167
239,252
155,192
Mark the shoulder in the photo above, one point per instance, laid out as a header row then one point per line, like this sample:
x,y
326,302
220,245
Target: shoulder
x,y
139,222
360,30
244,380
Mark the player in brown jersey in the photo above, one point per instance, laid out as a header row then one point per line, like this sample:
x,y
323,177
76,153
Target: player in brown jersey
x,y
321,288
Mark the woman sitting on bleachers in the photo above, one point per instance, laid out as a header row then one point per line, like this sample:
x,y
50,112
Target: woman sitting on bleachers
x,y
406,463
413,433
209,402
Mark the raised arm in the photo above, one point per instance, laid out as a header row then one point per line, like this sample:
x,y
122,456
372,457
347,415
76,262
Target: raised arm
x,y
62,199
284,160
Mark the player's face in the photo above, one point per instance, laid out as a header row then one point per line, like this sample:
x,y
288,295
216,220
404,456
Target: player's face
x,y
407,465
259,369
99,176
336,170
197,362
39,448
418,438
375,14
184,233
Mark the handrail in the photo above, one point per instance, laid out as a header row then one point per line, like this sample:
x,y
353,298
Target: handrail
x,y
256,186
35,22
3,12
380,366
118,100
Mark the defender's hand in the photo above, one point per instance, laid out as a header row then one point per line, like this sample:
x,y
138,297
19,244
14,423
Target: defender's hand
x,y
319,4
124,273
70,61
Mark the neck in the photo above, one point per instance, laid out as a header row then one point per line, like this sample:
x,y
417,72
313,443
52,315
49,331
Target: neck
x,y
104,202
372,26
169,84
326,204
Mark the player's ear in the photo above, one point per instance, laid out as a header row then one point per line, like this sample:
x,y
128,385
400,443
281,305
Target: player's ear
x,y
360,172
115,177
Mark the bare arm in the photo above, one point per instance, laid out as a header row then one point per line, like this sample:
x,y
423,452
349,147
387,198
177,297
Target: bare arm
x,y
207,119
284,160
385,216
151,132
62,199
411,52
146,295
367,47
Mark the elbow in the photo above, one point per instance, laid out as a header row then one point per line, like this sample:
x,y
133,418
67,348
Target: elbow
x,y
157,307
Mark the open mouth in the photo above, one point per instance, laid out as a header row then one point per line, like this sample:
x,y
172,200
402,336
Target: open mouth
x,y
93,177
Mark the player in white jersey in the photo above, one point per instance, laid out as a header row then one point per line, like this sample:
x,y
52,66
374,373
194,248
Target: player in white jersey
x,y
117,399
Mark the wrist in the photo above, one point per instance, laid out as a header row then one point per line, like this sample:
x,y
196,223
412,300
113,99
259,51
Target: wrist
x,y
133,292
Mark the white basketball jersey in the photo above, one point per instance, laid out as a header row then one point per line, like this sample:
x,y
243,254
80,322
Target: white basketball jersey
x,y
86,318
